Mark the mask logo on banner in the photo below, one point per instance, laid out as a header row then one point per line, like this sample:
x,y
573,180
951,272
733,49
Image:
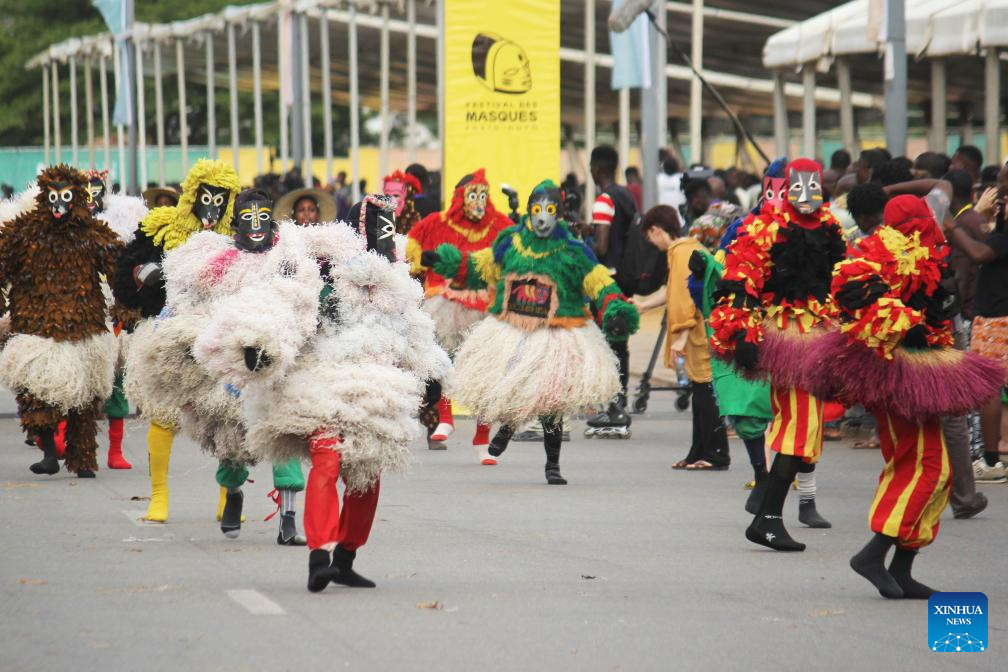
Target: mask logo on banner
x,y
500,64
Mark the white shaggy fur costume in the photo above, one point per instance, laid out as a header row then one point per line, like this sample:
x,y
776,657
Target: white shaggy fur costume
x,y
162,377
356,370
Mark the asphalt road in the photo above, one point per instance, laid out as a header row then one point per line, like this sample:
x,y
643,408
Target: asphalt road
x,y
632,566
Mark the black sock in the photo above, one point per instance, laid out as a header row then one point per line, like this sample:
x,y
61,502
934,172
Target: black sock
x,y
991,458
757,456
767,528
870,563
49,464
900,567
552,440
500,441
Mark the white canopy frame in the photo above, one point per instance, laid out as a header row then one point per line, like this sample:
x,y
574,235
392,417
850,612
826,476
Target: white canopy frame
x,y
936,30
263,29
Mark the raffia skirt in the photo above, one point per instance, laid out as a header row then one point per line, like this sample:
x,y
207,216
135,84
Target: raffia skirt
x,y
508,375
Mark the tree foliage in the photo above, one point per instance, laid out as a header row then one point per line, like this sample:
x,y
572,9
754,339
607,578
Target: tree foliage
x,y
28,27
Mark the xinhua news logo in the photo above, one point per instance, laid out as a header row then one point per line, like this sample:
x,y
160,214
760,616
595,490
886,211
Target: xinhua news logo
x,y
957,622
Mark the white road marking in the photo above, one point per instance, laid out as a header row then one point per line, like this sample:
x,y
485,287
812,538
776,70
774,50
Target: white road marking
x,y
256,603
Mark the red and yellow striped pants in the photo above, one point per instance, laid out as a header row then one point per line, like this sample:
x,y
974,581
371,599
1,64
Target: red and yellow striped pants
x,y
797,423
914,486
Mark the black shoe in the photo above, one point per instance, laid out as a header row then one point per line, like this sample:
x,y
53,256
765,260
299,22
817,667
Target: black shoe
x,y
553,476
47,465
230,523
85,473
341,570
808,515
979,504
769,531
899,569
288,535
870,563
318,570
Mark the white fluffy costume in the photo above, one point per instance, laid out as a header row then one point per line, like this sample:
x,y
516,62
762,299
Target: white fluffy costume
x,y
332,365
164,380
353,362
206,202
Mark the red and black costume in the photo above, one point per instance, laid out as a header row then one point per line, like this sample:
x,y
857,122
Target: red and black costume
x,y
773,304
470,224
894,354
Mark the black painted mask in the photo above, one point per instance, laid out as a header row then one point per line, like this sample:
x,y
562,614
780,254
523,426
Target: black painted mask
x,y
253,225
61,197
211,203
96,196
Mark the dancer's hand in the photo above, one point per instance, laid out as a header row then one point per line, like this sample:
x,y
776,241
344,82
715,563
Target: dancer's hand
x,y
428,258
149,275
746,353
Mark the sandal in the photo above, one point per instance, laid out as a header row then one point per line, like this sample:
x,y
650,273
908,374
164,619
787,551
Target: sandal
x,y
704,465
871,444
681,464
832,434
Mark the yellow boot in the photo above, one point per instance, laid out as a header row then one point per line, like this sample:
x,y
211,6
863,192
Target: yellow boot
x,y
159,442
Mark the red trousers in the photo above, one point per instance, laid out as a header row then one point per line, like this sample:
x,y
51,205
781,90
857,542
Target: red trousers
x,y
324,522
796,428
913,488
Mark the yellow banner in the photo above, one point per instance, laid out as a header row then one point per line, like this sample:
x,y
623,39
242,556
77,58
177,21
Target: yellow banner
x,y
502,94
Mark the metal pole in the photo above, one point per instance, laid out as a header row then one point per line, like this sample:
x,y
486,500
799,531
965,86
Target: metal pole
x,y
45,114
896,77
354,105
992,106
966,122
134,127
696,88
624,129
589,95
89,110
326,96
56,113
141,120
125,176
808,111
649,123
383,141
781,131
847,130
106,128
233,94
939,110
296,117
73,111
661,16
445,185
306,104
257,95
183,110
411,82
159,113
283,57
211,100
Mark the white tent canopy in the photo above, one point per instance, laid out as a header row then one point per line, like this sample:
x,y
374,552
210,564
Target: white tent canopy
x,y
934,28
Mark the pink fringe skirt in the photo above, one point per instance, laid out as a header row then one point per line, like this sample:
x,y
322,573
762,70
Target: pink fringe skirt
x,y
917,385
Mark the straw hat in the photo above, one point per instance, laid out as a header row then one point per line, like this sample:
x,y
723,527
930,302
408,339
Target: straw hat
x,y
151,195
284,207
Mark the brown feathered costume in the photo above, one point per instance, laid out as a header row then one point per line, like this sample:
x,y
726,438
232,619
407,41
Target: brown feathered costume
x,y
59,360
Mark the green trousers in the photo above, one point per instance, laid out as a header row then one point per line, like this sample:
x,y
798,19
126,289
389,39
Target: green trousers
x,y
286,476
